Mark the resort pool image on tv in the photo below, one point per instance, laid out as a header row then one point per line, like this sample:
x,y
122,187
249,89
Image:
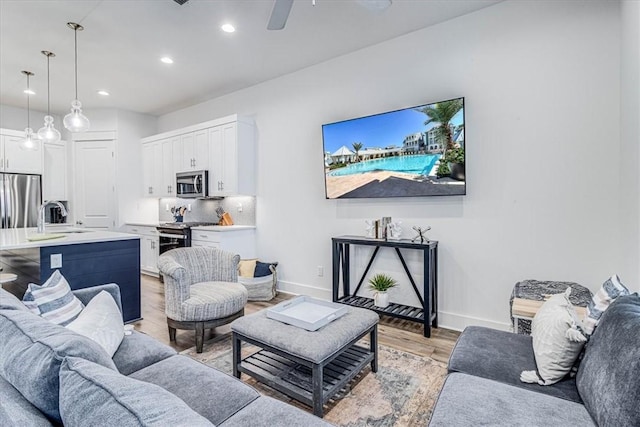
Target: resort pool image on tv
x,y
418,164
413,152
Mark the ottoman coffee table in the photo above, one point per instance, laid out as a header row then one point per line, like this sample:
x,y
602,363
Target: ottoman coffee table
x,y
310,367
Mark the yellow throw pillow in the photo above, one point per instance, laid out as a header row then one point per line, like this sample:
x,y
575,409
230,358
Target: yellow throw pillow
x,y
247,267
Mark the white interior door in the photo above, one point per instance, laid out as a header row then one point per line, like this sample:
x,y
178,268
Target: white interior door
x,y
94,166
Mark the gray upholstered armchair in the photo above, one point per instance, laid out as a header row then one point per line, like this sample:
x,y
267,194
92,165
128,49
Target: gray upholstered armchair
x,y
201,289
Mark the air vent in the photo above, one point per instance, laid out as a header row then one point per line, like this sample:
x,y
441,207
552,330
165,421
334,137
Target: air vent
x,y
181,2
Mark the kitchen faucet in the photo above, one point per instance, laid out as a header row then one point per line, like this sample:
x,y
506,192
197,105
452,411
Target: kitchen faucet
x,y
63,212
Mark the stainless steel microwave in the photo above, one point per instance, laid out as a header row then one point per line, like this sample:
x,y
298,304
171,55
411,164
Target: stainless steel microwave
x,y
192,184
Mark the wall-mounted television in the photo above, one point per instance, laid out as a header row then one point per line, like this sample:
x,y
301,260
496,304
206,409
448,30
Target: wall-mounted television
x,y
413,152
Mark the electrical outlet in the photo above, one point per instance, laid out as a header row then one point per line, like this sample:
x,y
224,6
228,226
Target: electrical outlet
x,y
56,260
166,207
189,207
320,271
239,207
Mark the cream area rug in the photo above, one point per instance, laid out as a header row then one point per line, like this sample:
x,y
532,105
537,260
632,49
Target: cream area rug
x,y
402,392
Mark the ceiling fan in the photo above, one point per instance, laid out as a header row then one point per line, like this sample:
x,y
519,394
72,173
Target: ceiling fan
x,y
281,9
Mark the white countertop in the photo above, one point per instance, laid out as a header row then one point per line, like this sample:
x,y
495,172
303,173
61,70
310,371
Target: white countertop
x,y
223,227
16,238
144,224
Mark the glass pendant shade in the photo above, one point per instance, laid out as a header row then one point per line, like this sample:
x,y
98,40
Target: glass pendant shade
x,y
75,121
30,139
48,132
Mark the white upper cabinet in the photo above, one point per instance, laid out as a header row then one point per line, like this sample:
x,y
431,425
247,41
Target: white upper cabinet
x,y
195,151
54,173
16,158
225,147
232,159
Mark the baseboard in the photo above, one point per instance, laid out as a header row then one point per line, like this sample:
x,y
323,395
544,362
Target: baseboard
x,y
456,322
300,289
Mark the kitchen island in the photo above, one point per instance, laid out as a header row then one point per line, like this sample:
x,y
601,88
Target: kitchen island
x,y
84,257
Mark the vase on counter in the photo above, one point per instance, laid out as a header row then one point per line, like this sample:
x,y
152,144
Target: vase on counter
x,y
381,299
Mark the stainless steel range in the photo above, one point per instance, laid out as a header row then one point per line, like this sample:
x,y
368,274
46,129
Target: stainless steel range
x,y
177,234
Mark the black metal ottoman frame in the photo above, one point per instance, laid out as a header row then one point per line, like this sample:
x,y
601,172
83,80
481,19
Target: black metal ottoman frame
x,y
306,381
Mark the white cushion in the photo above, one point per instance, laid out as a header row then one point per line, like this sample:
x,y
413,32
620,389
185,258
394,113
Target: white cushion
x,y
53,300
101,321
557,342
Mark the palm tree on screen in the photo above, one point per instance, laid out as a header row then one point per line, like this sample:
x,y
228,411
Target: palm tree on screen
x,y
357,146
443,113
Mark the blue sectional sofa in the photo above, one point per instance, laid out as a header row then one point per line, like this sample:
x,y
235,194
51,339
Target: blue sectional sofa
x,y
50,375
483,386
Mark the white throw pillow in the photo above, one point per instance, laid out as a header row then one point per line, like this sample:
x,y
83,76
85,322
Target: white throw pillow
x,y
101,321
557,342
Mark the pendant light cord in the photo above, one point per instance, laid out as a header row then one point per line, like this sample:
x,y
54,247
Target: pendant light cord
x,y
48,88
75,33
28,106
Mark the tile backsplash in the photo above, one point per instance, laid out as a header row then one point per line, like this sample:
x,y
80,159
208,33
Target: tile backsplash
x,y
204,210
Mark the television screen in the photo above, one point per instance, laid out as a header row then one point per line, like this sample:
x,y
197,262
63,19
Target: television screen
x,y
418,151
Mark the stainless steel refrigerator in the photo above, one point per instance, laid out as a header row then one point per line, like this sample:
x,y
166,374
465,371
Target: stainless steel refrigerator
x,y
20,198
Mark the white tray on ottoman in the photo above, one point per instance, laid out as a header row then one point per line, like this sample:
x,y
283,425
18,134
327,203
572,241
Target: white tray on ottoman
x,y
306,312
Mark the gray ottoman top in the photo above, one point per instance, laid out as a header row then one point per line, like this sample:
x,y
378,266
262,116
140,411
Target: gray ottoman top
x,y
313,346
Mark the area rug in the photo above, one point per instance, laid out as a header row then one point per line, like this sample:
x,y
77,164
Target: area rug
x,y
402,392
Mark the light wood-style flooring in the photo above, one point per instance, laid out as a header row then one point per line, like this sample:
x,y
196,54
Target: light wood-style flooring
x,y
396,333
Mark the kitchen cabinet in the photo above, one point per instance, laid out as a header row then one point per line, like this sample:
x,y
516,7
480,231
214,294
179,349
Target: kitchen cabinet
x,y
152,169
16,158
195,151
149,247
236,239
54,171
225,147
232,159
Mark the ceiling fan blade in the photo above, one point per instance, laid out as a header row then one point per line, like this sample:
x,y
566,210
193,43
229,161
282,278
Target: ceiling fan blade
x,y
279,14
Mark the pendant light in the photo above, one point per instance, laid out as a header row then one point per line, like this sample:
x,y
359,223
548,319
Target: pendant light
x,y
75,121
48,133
29,141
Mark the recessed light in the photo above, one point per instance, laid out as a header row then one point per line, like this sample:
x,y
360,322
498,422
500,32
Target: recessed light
x,y
228,28
166,60
29,92
103,93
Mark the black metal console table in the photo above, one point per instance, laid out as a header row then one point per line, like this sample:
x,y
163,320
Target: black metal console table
x,y
341,264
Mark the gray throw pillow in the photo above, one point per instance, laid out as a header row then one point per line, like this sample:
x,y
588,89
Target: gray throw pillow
x,y
31,351
91,395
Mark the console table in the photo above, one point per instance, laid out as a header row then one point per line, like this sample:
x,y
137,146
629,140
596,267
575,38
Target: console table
x,y
427,314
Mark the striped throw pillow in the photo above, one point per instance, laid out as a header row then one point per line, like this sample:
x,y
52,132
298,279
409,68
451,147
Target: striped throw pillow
x,y
54,300
610,290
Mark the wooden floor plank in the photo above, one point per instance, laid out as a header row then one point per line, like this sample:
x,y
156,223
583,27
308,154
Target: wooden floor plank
x,y
400,334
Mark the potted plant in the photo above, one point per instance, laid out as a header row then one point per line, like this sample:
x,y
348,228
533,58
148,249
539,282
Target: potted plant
x,y
455,158
380,284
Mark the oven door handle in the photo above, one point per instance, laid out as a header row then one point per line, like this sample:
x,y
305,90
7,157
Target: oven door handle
x,y
173,236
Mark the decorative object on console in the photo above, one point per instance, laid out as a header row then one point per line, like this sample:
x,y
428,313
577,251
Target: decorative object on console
x,y
381,283
75,121
421,234
370,227
29,138
48,132
394,230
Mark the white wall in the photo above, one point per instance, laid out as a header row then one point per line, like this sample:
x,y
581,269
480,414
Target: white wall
x,y
630,143
542,88
16,118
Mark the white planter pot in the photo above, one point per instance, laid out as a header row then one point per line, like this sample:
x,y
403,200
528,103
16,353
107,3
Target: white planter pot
x,y
381,299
